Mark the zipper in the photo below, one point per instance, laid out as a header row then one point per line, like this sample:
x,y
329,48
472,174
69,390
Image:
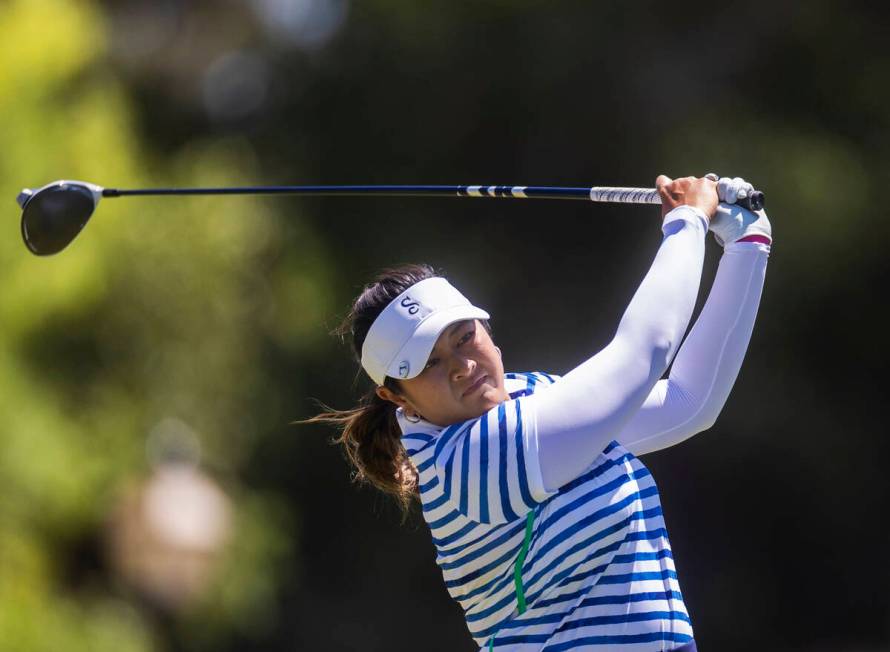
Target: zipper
x,y
517,570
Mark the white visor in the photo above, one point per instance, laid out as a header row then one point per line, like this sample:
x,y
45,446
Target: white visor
x,y
402,337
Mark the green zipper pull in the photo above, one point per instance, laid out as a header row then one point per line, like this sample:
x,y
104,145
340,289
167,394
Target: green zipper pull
x,y
520,560
517,570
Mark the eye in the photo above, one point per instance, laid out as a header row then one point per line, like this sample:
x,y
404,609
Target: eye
x,y
467,336
431,363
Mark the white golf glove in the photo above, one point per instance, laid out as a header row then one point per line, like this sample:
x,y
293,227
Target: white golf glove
x,y
731,222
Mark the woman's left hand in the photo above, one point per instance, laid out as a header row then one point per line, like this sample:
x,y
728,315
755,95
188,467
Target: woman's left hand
x,y
731,222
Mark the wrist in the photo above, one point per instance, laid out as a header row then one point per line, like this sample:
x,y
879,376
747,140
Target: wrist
x,y
690,214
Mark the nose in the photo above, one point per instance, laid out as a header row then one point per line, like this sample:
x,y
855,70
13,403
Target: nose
x,y
461,367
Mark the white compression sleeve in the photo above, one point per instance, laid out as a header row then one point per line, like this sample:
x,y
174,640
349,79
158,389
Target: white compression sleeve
x,y
707,364
586,409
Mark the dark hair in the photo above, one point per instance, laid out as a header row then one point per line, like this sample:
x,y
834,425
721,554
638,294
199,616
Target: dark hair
x,y
370,433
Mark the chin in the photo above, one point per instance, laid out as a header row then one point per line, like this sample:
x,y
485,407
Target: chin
x,y
489,398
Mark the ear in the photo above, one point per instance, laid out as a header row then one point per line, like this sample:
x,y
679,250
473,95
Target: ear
x,y
388,395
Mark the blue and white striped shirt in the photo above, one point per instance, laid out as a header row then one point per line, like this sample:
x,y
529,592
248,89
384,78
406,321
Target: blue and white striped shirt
x,y
586,567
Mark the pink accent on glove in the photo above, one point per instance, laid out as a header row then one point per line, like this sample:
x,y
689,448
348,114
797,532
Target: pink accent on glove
x,y
755,238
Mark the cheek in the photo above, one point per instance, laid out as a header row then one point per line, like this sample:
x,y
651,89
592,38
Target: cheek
x,y
430,390
497,366
495,373
492,357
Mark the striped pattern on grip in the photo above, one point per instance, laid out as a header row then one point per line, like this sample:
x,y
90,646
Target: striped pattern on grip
x,y
597,193
625,195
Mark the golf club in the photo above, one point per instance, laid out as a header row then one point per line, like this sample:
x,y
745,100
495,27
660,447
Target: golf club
x,y
54,214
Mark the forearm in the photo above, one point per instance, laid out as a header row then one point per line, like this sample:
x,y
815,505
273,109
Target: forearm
x,y
707,364
589,406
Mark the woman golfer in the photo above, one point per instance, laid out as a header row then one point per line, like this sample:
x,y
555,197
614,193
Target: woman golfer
x,y
548,529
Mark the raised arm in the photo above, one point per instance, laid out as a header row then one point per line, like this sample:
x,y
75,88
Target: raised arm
x,y
578,416
691,398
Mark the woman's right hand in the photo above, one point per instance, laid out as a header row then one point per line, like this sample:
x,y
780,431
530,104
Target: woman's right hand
x,y
698,192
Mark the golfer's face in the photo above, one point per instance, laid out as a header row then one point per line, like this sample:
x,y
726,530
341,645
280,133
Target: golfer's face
x,y
463,377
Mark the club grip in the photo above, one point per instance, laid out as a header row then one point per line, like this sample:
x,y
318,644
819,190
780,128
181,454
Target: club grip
x,y
753,202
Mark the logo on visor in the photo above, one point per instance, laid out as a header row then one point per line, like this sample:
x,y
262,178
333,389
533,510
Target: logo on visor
x,y
412,305
404,368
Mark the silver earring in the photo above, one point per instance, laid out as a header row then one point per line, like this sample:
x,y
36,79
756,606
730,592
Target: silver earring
x,y
413,418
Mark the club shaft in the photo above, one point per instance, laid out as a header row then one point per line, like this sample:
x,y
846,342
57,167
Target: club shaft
x,y
600,194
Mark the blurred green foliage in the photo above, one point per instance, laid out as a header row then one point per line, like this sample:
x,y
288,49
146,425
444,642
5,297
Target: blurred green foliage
x,y
162,310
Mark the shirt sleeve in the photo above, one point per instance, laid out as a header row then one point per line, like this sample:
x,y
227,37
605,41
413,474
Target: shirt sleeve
x,y
588,408
489,467
692,396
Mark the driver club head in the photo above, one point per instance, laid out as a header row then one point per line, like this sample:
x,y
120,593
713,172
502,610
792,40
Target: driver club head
x,y
53,215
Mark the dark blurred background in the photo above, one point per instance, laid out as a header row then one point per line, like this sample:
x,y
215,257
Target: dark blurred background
x,y
153,492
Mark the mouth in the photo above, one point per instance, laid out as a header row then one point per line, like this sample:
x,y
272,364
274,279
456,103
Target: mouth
x,y
475,386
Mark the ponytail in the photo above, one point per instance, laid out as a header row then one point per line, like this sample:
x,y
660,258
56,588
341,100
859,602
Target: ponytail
x,y
370,433
372,442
